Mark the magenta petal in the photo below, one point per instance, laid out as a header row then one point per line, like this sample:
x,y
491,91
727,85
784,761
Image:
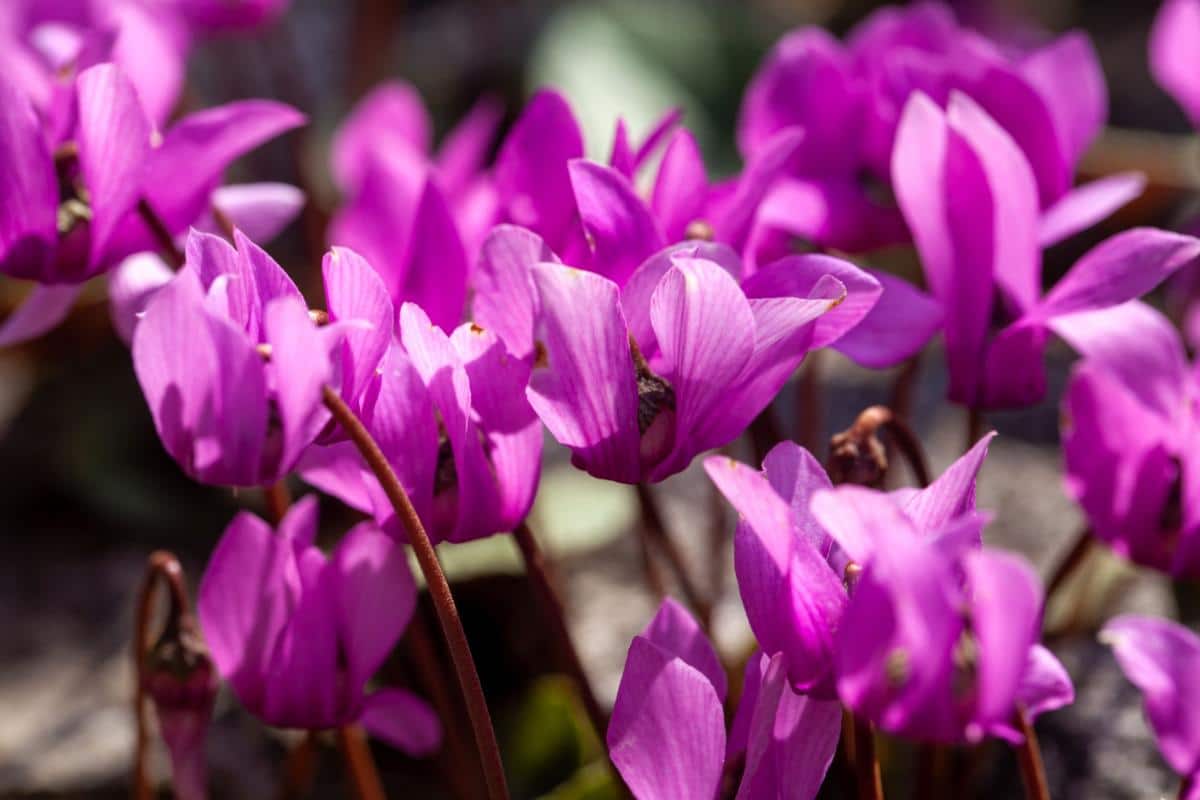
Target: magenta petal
x,y
621,157
41,311
860,520
1162,658
586,394
1067,74
371,574
1119,269
464,152
1005,611
796,475
403,720
531,168
657,134
675,631
792,740
337,470
739,729
1138,345
896,328
512,432
733,218
301,364
114,144
952,494
505,300
354,291
1174,61
436,261
1045,684
27,206
244,601
619,226
667,734
1084,206
393,114
260,210
681,187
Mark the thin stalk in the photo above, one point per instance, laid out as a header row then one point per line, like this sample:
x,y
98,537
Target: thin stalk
x,y
360,765
765,433
161,567
166,242
299,768
278,499
555,617
974,427
1029,756
655,529
1070,562
902,388
866,761
439,593
810,417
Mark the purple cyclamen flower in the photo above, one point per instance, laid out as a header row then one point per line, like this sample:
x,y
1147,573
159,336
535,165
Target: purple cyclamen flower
x,y
298,634
1162,659
1130,437
889,645
1174,60
970,198
636,380
222,15
848,98
73,213
228,415
667,736
416,217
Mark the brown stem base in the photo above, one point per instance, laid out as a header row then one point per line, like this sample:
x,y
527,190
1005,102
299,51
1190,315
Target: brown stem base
x,y
1029,756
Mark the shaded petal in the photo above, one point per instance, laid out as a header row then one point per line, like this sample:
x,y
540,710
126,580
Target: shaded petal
x,y
244,602
505,300
1067,74
896,328
621,157
40,311
952,494
1005,612
1084,206
657,134
403,720
436,272
681,187
463,154
733,217
371,574
585,394
860,520
260,210
1014,371
676,632
1121,268
667,734
1045,684
795,475
354,291
1137,345
300,362
391,115
620,229
739,730
30,198
531,168
114,144
1162,658
337,470
1174,61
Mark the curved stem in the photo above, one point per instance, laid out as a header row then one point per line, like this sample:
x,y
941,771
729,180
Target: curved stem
x,y
974,427
165,566
1070,562
1029,756
360,765
278,500
866,761
299,768
166,242
655,529
810,417
439,592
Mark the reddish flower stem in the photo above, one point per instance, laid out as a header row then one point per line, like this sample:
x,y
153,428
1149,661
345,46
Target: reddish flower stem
x,y
656,531
1029,756
974,427
166,242
866,761
1070,562
555,616
161,567
360,764
439,592
299,768
810,417
278,499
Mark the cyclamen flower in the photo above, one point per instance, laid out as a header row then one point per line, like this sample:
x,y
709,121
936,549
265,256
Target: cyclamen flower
x,y
847,98
1129,436
1162,659
923,643
416,217
637,381
667,735
970,198
1174,62
73,213
224,412
450,414
221,15
298,634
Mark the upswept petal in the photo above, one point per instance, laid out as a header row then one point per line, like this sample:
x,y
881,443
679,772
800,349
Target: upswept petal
x,y
675,631
403,720
619,226
733,216
463,153
667,734
505,300
391,115
1162,658
620,158
1045,684
1067,74
27,206
301,366
585,393
436,269
795,475
681,187
896,328
1174,61
861,521
952,493
1084,206
354,291
260,210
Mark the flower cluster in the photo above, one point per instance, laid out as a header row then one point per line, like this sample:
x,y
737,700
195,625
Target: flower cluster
x,y
642,313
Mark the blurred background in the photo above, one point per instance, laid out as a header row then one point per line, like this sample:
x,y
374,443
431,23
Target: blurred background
x,y
86,490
